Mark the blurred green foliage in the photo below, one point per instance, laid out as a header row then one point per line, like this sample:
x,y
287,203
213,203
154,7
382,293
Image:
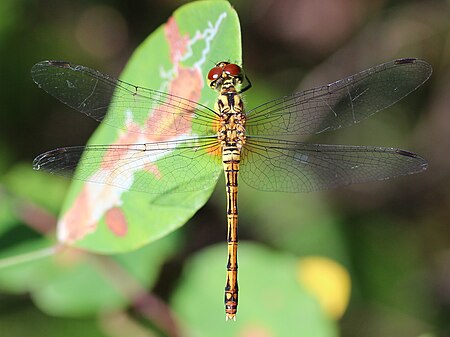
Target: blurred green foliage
x,y
391,236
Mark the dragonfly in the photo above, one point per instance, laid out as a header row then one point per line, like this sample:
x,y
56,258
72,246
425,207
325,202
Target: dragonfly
x,y
257,144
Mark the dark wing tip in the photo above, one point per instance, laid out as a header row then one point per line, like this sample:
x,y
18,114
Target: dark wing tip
x,y
421,163
406,60
406,153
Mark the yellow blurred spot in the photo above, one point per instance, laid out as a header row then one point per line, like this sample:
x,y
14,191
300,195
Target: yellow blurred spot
x,y
328,281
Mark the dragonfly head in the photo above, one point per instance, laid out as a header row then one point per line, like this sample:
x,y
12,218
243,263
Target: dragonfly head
x,y
225,72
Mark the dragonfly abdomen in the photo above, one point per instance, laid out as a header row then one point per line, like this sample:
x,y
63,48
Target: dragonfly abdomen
x,y
232,137
231,159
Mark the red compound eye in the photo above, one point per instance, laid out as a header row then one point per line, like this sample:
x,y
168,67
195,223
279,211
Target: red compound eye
x,y
215,73
232,69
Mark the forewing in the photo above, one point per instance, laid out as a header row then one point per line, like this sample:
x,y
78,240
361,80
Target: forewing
x,y
160,167
93,93
339,104
275,165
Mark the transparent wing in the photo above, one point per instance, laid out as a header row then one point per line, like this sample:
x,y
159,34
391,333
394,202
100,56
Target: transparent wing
x,y
93,93
276,165
180,166
339,104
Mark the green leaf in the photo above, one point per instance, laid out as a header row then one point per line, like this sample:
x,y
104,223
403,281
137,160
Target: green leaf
x,y
296,232
75,283
272,301
18,321
177,56
84,284
29,265
7,215
44,189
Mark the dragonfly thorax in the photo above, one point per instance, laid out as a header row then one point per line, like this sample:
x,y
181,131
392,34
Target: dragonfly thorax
x,y
231,130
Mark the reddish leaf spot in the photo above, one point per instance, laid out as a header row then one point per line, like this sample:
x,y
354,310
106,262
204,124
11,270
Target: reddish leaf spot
x,y
178,43
116,221
77,222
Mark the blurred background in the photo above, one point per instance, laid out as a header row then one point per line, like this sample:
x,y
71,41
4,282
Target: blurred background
x,y
393,238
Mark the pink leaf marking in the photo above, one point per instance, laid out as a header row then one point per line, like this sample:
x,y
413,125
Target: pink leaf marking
x,y
116,221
